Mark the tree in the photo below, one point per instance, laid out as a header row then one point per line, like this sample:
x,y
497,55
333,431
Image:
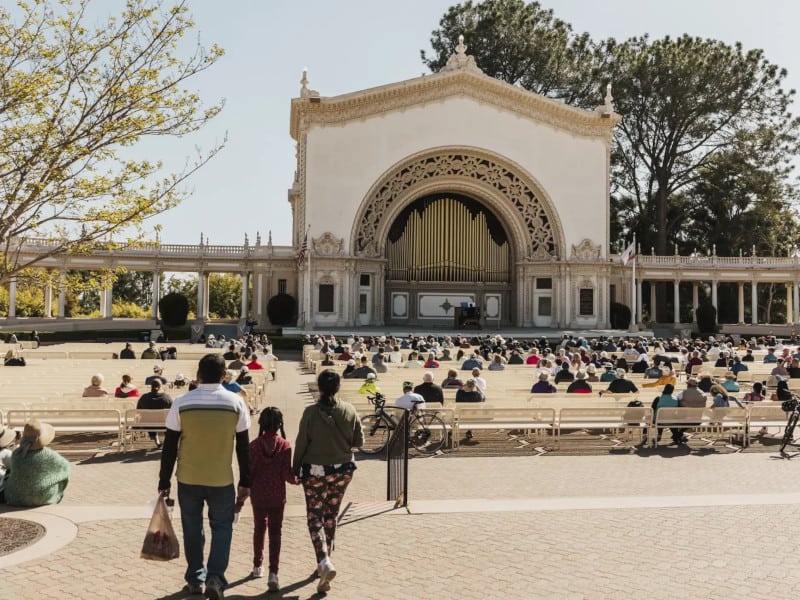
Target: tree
x,y
75,100
683,101
224,295
522,44
135,287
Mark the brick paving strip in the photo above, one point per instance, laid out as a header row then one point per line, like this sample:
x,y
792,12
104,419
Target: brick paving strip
x,y
715,526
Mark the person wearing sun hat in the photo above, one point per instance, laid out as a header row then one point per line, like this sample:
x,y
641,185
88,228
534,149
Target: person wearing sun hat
x,y
38,474
369,387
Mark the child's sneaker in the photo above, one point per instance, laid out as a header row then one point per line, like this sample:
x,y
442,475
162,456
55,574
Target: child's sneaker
x,y
272,583
258,572
326,572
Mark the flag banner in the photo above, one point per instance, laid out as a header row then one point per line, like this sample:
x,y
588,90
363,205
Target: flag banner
x,y
301,255
629,254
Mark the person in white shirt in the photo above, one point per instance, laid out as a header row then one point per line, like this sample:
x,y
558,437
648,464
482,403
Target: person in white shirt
x,y
409,400
480,382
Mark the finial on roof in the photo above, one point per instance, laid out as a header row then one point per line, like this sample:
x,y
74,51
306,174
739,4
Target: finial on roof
x,y
305,91
258,239
461,60
609,99
269,242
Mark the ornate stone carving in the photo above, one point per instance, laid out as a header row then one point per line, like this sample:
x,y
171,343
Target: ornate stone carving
x,y
327,245
460,60
460,82
586,250
541,240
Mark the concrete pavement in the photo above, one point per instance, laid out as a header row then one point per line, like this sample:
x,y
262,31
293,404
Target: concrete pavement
x,y
603,526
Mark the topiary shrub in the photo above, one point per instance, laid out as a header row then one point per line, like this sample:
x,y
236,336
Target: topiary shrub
x,y
281,309
174,309
706,318
620,316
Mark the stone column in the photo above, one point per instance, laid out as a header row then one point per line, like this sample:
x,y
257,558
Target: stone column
x,y
741,303
653,313
676,293
638,308
62,294
695,301
259,296
206,294
200,295
245,290
714,293
156,291
109,301
789,307
567,298
754,303
48,300
12,298
796,294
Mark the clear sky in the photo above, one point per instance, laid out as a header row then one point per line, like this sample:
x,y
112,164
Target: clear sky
x,y
349,45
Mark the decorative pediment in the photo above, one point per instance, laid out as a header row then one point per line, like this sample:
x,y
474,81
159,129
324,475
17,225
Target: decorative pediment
x,y
328,245
586,250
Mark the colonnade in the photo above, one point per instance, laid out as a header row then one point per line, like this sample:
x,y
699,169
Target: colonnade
x,y
106,296
792,299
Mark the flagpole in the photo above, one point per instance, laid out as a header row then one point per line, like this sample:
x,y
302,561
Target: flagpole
x,y
308,302
634,305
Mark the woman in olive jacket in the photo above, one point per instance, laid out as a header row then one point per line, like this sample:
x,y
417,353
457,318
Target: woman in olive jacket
x,y
323,459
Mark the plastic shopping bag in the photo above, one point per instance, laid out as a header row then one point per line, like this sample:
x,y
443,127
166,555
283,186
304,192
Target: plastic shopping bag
x,y
160,542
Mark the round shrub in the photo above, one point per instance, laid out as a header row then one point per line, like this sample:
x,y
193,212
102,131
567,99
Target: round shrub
x,y
281,309
174,309
620,316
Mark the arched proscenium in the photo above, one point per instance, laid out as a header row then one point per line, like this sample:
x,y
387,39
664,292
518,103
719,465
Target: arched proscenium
x,y
505,187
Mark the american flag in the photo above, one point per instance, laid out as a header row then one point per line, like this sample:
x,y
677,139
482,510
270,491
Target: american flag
x,y
301,255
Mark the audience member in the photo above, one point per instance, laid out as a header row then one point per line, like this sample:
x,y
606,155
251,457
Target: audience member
x,y
470,393
543,386
155,399
38,474
158,373
430,391
150,353
126,389
410,400
13,360
621,385
580,385
96,389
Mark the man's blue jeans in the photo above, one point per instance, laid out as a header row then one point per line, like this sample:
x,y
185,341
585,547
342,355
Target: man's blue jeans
x,y
220,502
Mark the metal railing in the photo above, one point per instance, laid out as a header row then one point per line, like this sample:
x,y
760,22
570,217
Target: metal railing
x,y
397,462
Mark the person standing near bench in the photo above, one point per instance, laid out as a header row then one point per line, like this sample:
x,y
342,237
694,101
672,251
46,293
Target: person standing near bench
x,y
206,421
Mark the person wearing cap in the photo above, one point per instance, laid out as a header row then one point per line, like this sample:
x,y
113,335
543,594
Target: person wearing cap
x,y
410,400
608,374
580,385
155,399
150,352
430,391
361,371
8,441
96,389
158,373
127,351
38,474
229,384
369,387
543,385
621,385
180,381
203,426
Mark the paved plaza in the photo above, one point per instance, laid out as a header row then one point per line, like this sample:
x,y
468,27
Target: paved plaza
x,y
647,525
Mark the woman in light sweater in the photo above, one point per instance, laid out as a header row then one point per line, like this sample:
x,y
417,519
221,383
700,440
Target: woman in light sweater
x,y
323,459
39,475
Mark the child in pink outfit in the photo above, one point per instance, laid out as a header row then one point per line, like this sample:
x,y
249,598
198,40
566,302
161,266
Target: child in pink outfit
x,y
270,470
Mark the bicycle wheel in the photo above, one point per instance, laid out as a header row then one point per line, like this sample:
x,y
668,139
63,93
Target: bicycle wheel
x,y
428,433
376,434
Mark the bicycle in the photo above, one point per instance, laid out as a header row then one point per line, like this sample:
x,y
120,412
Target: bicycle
x,y
427,431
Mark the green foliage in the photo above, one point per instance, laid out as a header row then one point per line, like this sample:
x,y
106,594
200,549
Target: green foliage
x,y
224,295
281,309
135,287
706,130
174,308
78,94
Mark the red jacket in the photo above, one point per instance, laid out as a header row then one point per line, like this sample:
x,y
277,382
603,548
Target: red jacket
x,y
270,470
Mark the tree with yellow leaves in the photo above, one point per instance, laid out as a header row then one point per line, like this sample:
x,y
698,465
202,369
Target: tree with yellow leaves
x,y
76,97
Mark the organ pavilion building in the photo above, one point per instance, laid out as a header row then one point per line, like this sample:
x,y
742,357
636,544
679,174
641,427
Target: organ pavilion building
x,y
415,201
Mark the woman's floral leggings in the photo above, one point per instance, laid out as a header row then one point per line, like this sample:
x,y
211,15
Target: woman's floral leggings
x,y
323,500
